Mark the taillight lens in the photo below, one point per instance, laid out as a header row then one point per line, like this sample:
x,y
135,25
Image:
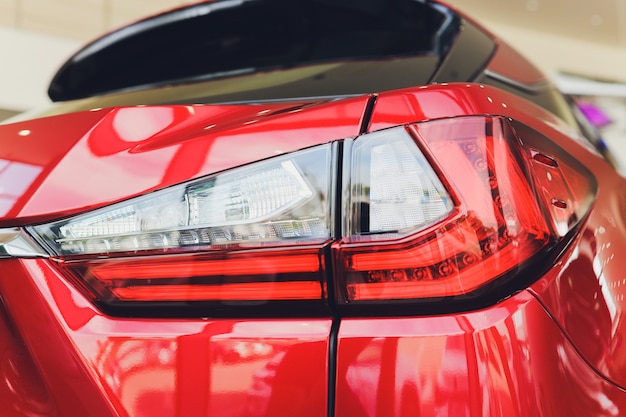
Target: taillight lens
x,y
393,187
481,205
254,233
280,200
445,208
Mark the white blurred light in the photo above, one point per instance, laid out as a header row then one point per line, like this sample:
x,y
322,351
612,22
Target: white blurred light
x,y
404,191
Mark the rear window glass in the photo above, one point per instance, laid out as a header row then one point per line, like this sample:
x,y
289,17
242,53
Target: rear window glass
x,y
252,41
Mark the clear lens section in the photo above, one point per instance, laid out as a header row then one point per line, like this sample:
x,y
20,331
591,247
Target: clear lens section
x,y
281,198
394,188
257,196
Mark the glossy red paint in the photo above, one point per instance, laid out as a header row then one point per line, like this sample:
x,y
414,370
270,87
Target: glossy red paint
x,y
123,152
508,360
460,99
96,365
22,389
585,291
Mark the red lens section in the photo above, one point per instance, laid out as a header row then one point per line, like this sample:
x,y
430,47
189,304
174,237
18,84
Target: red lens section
x,y
237,276
498,225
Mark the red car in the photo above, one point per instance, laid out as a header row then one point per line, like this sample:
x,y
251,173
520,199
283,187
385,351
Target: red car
x,y
313,208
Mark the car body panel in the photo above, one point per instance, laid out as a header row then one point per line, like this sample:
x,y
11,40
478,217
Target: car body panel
x,y
22,388
585,290
508,360
460,99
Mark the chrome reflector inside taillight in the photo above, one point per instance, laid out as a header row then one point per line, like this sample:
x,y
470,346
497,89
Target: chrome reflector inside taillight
x,y
283,198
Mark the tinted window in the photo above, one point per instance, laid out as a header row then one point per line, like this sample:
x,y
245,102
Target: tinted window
x,y
242,38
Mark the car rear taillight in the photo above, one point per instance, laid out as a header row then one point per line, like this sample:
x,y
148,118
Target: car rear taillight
x,y
490,201
440,209
251,234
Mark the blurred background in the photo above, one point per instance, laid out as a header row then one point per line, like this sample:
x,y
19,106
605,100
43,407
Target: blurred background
x,y
37,36
580,43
